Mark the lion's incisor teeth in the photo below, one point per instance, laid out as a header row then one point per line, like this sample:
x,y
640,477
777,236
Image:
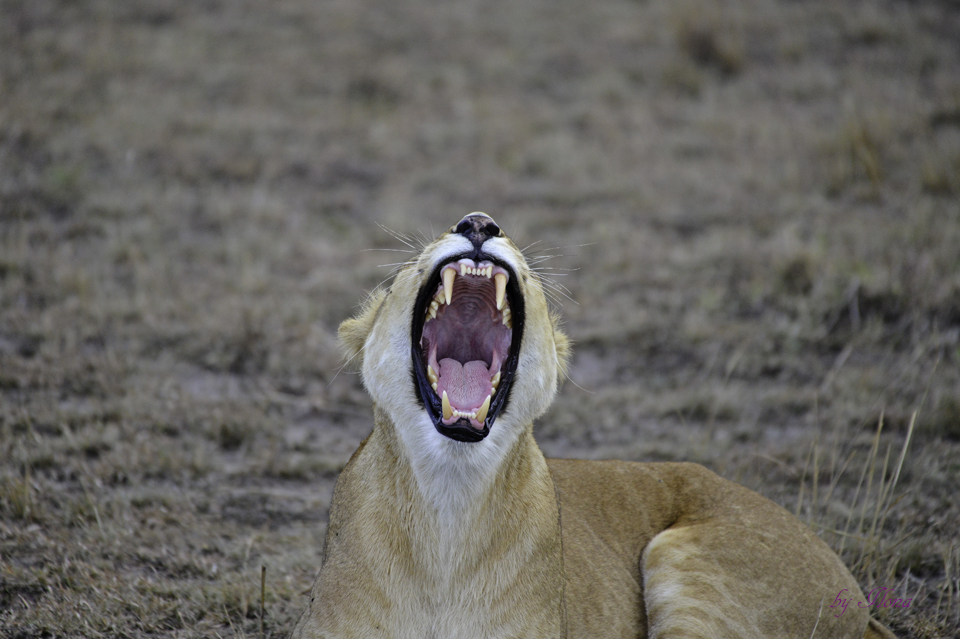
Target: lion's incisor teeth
x,y
495,382
501,282
448,276
482,411
447,410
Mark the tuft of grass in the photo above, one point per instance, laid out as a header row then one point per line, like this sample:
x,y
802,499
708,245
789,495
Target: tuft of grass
x,y
857,154
940,173
944,420
17,500
796,275
710,38
870,533
707,47
232,435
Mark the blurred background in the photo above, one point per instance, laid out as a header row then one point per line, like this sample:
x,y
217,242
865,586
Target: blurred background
x,y
747,212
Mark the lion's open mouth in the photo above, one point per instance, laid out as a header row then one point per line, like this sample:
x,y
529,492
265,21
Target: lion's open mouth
x,y
466,337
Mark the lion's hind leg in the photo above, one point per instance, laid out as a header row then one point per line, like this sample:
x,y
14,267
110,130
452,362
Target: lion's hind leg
x,y
715,579
684,597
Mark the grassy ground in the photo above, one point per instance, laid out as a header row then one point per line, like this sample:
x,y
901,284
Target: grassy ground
x,y
756,206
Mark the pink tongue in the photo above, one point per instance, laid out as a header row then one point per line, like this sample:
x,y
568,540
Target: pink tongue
x,y
466,385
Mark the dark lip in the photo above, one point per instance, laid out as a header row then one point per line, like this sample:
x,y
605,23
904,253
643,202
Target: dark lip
x,y
461,430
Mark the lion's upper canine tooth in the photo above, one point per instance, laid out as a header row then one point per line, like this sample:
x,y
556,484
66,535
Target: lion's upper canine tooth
x,y
501,282
482,411
495,382
447,410
432,375
449,274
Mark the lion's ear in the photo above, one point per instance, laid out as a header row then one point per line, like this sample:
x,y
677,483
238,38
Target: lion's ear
x,y
353,332
562,343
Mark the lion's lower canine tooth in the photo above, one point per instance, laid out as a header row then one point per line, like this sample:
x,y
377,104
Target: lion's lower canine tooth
x,y
482,411
448,276
447,410
501,281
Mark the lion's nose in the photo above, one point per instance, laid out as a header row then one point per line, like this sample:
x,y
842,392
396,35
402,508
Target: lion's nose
x,y
478,228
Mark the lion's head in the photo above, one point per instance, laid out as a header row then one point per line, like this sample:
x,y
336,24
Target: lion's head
x,y
462,349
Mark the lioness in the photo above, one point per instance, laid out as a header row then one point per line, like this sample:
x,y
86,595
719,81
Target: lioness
x,y
448,522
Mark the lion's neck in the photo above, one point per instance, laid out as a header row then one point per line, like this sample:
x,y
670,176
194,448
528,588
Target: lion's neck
x,y
457,550
463,481
452,532
455,513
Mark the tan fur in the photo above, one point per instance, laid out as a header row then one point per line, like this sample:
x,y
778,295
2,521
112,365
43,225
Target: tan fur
x,y
353,332
877,630
432,538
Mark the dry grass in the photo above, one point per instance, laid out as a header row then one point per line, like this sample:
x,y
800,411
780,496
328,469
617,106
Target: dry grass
x,y
757,202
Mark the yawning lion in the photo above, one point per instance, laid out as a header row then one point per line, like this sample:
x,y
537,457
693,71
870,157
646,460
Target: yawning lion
x,y
448,522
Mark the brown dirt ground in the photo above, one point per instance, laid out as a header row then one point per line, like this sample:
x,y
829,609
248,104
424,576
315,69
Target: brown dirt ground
x,y
754,208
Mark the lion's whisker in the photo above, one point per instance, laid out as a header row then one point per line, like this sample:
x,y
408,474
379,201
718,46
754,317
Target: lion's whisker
x,y
401,237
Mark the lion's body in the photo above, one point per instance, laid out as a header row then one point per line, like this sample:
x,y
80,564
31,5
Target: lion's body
x,y
707,557
431,538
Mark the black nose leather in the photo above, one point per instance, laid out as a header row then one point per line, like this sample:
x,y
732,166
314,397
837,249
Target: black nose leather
x,y
478,228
